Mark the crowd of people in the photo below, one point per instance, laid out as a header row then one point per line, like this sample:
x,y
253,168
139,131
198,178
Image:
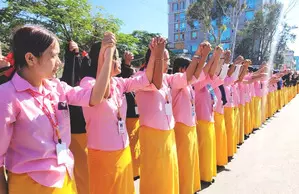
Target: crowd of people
x,y
104,124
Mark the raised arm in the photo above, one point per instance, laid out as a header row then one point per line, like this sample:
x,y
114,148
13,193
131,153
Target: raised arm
x,y
102,78
218,52
158,50
198,61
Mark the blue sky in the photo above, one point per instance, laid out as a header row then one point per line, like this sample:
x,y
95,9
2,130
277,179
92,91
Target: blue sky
x,y
152,16
149,15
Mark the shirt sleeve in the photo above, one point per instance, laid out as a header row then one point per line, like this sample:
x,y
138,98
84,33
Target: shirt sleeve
x,y
216,81
79,95
177,80
228,81
7,119
134,83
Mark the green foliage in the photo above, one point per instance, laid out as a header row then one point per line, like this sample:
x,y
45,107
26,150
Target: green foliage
x,y
258,35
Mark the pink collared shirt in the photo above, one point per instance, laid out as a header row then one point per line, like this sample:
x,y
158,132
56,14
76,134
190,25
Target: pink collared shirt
x,y
102,119
243,93
228,81
236,94
258,89
203,101
151,102
27,138
182,100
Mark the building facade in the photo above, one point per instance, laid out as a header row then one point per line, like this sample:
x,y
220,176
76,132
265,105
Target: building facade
x,y
184,39
297,62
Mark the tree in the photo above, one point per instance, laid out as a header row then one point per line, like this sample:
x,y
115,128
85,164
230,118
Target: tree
x,y
59,16
258,36
206,11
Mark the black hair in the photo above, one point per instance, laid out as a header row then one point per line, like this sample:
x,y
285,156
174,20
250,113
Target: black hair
x,y
180,62
90,65
33,39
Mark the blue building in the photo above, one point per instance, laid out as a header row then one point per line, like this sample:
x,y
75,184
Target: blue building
x,y
182,37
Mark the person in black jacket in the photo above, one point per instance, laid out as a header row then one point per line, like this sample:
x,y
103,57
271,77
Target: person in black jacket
x,y
132,120
72,75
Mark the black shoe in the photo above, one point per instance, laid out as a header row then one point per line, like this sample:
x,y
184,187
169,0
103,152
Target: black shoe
x,y
136,178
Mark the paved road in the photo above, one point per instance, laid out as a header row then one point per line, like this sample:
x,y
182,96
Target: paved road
x,y
268,162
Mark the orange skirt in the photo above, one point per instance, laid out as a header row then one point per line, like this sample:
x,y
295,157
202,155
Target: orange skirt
x,y
133,132
78,148
242,123
207,150
229,115
221,140
24,184
187,149
158,161
110,171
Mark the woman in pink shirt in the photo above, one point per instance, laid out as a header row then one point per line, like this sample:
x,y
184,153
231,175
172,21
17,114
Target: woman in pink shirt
x,y
185,127
34,118
205,102
109,155
158,159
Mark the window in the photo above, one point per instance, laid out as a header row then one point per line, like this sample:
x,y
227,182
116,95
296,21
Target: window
x,y
250,4
175,7
183,26
182,37
193,35
249,15
182,5
196,24
176,37
182,16
176,17
176,27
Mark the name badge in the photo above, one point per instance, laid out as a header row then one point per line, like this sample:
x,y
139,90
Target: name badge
x,y
136,110
61,151
168,109
121,127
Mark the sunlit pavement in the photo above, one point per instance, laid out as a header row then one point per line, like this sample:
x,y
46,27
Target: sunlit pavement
x,y
268,161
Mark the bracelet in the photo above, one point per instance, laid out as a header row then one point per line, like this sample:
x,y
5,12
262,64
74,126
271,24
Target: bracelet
x,y
159,59
197,56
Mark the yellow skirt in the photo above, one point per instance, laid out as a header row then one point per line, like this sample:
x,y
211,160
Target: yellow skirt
x,y
207,150
188,159
78,148
158,161
110,172
242,123
237,126
247,119
221,140
229,115
252,116
257,112
24,184
133,132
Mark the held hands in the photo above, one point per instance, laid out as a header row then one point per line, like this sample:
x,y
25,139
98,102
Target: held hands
x,y
239,60
108,43
204,49
128,56
157,47
218,51
227,56
73,46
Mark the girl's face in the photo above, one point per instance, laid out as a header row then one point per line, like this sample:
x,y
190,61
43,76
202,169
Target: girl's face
x,y
116,64
45,66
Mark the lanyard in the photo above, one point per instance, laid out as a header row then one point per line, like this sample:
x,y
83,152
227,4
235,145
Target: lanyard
x,y
47,112
118,109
